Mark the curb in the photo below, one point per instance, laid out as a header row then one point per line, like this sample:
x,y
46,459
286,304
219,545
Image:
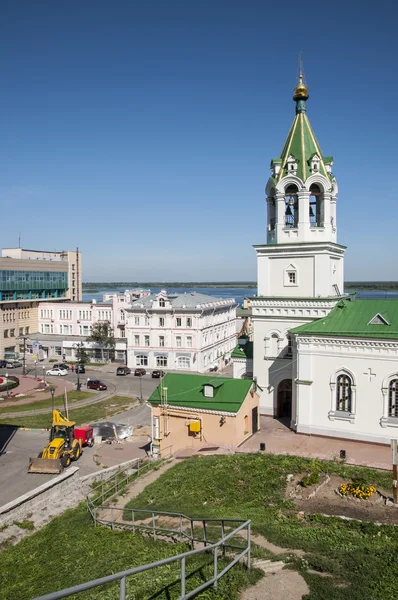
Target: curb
x,y
24,428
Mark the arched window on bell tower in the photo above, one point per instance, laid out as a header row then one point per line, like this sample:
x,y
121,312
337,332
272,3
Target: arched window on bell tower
x,y
316,206
271,210
291,207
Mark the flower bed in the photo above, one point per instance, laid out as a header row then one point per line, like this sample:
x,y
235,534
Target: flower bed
x,y
357,489
10,383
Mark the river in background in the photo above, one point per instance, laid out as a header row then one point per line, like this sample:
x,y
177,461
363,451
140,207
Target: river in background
x,y
230,292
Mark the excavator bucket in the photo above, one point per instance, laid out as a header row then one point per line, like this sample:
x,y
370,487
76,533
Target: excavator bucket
x,y
45,465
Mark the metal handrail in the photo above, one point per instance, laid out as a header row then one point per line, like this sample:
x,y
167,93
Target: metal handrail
x,y
122,575
208,545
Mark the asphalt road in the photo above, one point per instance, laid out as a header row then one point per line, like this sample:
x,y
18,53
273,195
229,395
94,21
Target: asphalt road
x,y
16,447
122,385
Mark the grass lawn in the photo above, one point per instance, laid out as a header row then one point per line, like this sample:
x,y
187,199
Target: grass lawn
x,y
73,396
85,414
361,556
69,550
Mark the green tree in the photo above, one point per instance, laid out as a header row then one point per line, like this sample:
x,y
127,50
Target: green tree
x,y
81,355
102,336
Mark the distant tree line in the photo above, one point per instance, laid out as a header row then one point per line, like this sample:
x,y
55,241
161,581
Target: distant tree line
x,y
371,285
166,284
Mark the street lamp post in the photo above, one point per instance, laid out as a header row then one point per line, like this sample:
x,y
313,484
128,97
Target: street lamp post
x,y
8,393
44,374
25,339
140,388
35,368
52,390
78,386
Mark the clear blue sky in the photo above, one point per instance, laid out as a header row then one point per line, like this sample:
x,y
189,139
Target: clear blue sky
x,y
142,132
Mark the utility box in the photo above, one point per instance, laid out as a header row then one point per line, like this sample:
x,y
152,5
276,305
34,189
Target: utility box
x,y
194,427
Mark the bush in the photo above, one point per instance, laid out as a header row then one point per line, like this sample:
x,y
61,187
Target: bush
x,y
310,479
13,382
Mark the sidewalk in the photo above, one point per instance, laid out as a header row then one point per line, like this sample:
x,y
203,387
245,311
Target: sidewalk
x,y
279,439
29,386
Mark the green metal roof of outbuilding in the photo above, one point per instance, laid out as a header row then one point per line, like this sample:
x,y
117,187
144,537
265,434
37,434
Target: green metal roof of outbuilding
x,y
187,391
245,351
357,318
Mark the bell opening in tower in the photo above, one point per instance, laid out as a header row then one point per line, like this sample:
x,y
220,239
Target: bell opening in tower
x,y
291,207
316,206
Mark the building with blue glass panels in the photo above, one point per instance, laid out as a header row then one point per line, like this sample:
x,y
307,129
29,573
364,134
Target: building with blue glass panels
x,y
28,277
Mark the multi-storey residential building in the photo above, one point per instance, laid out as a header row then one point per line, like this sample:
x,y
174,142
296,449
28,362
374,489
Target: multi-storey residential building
x,y
27,278
180,331
62,326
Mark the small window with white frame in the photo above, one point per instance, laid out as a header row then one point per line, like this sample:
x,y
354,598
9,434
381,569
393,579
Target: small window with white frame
x,y
291,276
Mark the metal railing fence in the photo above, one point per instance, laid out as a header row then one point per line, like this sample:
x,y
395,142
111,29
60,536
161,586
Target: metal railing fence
x,y
105,490
157,524
122,576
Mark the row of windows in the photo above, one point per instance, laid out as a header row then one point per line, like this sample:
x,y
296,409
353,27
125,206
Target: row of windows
x,y
46,313
10,316
214,336
179,321
344,395
85,315
65,314
23,280
161,341
11,332
104,315
182,362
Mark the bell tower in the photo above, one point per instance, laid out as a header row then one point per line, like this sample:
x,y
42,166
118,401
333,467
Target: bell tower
x,y
301,197
300,268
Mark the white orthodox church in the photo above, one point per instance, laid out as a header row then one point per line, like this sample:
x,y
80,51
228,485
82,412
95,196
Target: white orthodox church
x,y
324,361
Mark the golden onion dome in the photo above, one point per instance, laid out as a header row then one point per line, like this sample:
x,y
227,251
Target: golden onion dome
x,y
301,90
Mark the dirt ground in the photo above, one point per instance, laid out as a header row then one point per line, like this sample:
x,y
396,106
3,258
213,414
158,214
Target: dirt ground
x,y
327,501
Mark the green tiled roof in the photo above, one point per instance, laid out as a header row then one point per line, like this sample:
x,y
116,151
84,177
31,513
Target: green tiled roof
x,y
245,351
243,312
353,319
302,143
187,391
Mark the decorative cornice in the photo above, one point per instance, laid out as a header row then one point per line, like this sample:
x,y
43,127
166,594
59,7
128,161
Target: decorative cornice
x,y
294,303
197,410
334,341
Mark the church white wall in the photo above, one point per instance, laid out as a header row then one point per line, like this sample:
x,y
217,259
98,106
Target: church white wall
x,y
370,363
318,269
270,366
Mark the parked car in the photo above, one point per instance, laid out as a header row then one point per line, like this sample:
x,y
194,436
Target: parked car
x,y
139,372
13,364
123,371
96,384
56,371
61,366
79,368
3,364
157,374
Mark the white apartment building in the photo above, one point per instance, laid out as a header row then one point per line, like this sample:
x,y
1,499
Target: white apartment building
x,y
187,331
62,326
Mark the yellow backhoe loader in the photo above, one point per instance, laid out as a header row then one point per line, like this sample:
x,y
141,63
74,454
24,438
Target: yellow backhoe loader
x,y
61,449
